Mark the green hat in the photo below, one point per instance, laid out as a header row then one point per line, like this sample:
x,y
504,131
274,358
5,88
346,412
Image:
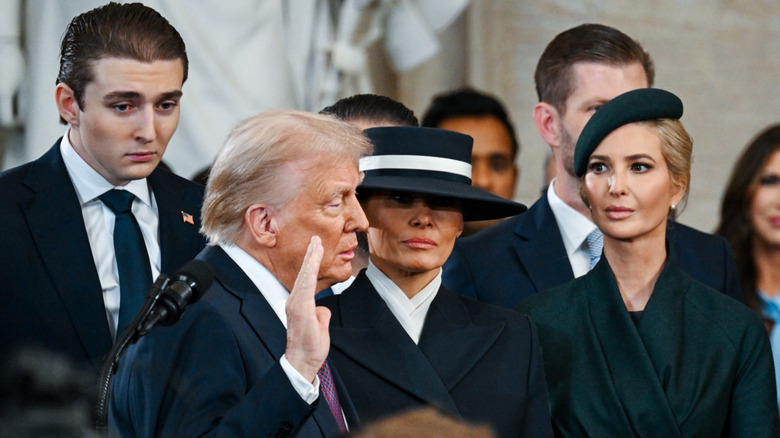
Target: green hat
x,y
634,106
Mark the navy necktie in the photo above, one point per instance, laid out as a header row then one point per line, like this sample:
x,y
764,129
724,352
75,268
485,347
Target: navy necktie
x,y
324,293
331,396
135,273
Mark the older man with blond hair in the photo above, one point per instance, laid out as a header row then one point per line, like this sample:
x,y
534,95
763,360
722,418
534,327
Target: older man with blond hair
x,y
249,358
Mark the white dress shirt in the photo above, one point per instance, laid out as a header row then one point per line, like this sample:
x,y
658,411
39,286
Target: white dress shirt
x,y
409,312
339,287
276,295
99,223
574,228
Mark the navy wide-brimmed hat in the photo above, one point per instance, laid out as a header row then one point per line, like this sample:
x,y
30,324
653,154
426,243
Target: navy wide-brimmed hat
x,y
633,106
430,161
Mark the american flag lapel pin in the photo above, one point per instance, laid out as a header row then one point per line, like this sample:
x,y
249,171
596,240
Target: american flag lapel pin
x,y
186,217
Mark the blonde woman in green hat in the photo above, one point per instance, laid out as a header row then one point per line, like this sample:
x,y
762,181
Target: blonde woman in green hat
x,y
637,347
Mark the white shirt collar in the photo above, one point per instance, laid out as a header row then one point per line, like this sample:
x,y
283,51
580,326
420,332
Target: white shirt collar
x,y
574,227
89,184
340,287
269,286
409,312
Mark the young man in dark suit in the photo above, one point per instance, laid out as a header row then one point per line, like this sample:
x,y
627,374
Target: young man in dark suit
x,y
67,282
580,69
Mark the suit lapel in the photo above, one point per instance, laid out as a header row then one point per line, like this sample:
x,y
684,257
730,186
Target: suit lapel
x,y
451,342
540,247
256,311
174,231
370,335
633,375
663,334
56,224
266,325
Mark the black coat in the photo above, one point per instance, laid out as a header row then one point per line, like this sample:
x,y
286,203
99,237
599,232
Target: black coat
x,y
473,361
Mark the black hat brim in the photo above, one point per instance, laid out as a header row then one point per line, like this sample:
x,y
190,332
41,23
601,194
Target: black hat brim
x,y
476,203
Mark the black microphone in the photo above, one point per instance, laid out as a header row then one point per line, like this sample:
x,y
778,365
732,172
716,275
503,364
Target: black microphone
x,y
187,285
164,304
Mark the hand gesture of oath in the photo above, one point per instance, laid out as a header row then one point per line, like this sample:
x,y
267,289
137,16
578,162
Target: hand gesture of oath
x,y
308,340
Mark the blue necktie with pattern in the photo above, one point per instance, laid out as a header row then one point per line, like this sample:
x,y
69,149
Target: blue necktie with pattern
x,y
595,245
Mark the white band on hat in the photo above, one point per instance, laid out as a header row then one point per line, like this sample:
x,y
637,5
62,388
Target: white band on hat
x,y
415,162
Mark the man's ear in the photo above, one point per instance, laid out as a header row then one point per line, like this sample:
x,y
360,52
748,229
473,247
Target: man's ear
x,y
67,105
547,121
260,220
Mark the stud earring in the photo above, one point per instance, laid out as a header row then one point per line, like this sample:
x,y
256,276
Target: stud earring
x,y
674,207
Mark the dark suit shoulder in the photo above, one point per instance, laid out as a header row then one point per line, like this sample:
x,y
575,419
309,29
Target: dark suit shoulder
x,y
13,176
553,302
734,319
175,181
163,180
691,236
497,234
39,172
481,312
706,257
202,323
13,191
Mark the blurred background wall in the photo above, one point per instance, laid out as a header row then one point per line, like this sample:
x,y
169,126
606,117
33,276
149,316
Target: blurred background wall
x,y
719,56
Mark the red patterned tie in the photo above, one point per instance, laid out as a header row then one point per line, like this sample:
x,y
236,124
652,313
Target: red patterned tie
x,y
329,391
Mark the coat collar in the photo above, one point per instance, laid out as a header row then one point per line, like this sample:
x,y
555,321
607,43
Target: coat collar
x,y
634,376
448,320
365,330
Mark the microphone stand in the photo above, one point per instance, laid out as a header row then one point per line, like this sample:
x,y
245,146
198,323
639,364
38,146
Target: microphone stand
x,y
128,337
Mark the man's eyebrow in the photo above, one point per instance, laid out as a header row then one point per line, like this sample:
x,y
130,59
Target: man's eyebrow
x,y
134,95
119,95
170,95
340,192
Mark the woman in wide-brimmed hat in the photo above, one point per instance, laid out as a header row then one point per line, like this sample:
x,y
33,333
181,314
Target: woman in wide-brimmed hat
x,y
401,340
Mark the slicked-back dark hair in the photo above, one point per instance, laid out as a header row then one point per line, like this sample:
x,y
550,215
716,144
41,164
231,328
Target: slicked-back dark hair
x,y
468,102
584,43
735,224
131,30
372,107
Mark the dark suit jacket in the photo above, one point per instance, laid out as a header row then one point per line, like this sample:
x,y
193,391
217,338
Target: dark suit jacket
x,y
524,254
50,287
216,372
474,361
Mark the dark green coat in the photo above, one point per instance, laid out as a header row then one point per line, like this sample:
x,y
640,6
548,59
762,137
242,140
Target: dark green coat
x,y
697,363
